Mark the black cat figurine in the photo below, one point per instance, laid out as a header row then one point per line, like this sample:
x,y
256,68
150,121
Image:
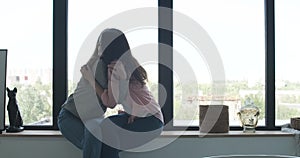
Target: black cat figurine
x,y
15,119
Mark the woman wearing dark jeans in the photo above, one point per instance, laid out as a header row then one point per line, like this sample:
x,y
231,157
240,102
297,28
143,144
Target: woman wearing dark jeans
x,y
142,119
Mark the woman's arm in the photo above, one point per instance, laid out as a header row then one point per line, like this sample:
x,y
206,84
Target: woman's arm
x,y
108,97
89,76
93,58
116,78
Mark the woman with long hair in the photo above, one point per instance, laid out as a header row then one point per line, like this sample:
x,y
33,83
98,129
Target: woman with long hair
x,y
142,119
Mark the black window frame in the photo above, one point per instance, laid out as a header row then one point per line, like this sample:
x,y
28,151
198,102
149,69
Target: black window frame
x,y
165,36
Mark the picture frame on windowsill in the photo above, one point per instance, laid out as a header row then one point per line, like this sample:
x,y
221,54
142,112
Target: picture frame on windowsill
x,y
3,64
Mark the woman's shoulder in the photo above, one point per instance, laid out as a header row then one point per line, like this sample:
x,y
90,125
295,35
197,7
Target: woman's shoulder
x,y
139,89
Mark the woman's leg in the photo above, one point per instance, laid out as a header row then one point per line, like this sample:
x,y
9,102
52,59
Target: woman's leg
x,y
110,128
74,130
71,128
143,130
127,136
91,145
144,124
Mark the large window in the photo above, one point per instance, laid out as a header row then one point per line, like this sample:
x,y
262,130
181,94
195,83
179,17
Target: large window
x,y
26,32
237,29
84,17
42,46
287,14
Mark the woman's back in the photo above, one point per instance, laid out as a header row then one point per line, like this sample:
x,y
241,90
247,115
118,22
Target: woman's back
x,y
84,102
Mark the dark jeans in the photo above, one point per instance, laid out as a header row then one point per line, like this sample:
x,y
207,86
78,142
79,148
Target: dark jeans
x,y
76,132
118,135
114,131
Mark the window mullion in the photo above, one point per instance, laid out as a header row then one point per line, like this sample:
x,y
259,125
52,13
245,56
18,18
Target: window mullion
x,y
270,64
59,56
165,39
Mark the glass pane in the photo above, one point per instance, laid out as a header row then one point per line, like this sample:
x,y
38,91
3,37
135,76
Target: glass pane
x,y
26,32
237,29
287,60
86,16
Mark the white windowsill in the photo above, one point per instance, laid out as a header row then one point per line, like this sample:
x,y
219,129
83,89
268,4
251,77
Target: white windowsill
x,y
188,134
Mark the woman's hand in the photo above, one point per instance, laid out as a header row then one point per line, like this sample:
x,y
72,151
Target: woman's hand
x,y
87,73
121,112
131,119
116,70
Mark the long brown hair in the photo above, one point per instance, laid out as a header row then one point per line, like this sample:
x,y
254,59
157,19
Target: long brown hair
x,y
115,47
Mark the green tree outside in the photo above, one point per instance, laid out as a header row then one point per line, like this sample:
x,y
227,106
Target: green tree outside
x,y
34,102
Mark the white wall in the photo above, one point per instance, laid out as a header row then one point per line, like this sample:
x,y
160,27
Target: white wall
x,y
58,147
